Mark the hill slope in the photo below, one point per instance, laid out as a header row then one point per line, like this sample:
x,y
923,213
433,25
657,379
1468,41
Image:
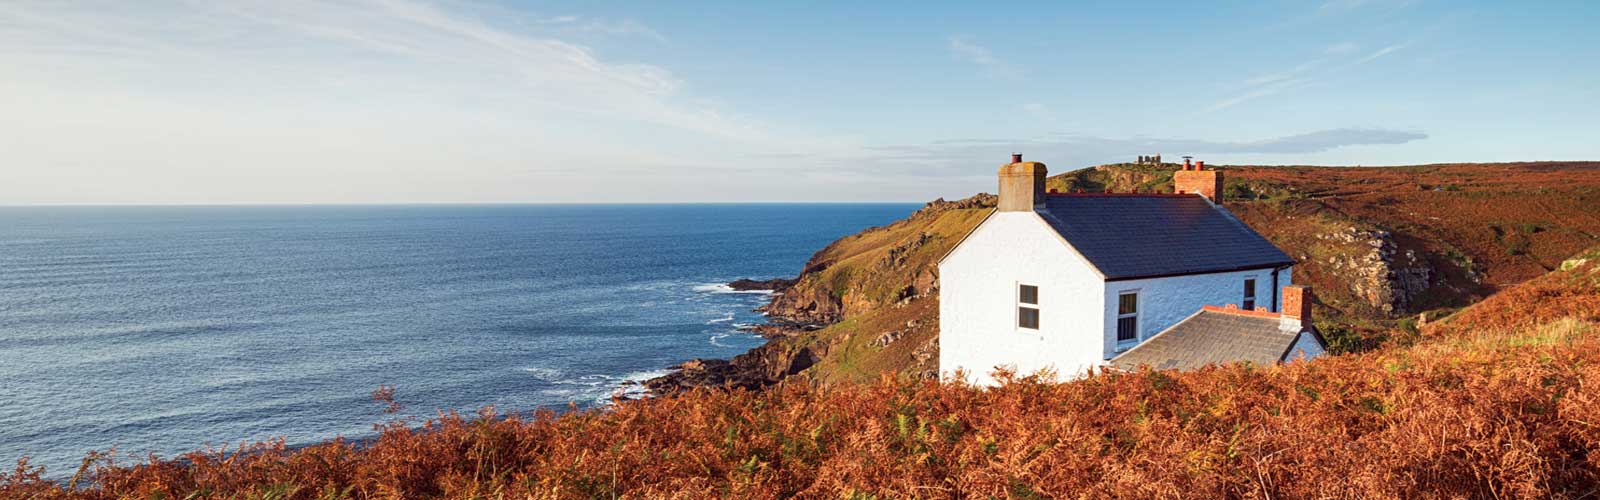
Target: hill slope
x,y
1472,410
1379,244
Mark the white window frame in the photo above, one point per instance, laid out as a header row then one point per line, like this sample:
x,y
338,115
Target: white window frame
x,y
1137,315
1017,305
1254,297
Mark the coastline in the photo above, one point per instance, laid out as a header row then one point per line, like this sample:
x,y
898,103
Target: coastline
x,y
754,369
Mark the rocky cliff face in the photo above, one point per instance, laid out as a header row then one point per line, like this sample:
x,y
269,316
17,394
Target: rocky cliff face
x,y
861,303
1388,280
1377,244
879,266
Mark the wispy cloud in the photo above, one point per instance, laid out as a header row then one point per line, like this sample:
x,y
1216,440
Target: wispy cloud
x,y
1276,82
969,51
1379,53
1341,6
622,27
247,37
1342,48
244,101
960,157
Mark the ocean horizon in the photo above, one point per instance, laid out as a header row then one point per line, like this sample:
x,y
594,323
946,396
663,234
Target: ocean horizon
x,y
169,328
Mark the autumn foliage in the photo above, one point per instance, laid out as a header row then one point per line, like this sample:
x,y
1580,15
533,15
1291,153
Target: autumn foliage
x,y
1465,413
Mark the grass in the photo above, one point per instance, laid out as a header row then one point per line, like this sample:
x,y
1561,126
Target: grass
x,y
1496,414
1500,400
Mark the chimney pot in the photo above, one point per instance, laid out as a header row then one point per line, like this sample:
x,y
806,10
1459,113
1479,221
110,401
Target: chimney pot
x,y
1021,185
1207,183
1199,165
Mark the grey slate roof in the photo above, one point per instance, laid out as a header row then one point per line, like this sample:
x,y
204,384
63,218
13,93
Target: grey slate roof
x,y
1128,236
1212,337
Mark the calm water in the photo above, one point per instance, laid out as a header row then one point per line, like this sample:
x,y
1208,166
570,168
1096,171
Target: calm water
x,y
167,328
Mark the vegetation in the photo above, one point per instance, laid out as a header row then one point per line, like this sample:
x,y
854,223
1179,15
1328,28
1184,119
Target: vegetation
x,y
1498,400
1477,408
1438,221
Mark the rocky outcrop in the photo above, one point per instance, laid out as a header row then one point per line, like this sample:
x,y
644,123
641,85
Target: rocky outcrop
x,y
823,295
936,207
1387,279
877,268
750,285
758,368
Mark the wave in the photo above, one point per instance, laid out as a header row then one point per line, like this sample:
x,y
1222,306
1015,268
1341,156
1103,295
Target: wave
x,y
724,288
546,374
632,386
728,316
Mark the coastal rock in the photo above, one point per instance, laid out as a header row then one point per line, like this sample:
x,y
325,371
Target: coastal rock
x,y
1378,273
750,285
886,339
878,267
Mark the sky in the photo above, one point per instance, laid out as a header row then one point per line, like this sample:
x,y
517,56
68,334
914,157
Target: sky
x,y
422,101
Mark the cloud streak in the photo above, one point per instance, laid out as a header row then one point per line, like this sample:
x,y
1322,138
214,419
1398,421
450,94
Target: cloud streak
x,y
1274,83
966,50
206,40
958,157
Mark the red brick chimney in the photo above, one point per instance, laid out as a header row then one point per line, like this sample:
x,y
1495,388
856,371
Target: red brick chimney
x,y
1207,183
1297,301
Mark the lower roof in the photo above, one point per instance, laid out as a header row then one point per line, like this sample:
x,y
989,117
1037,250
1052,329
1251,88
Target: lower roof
x,y
1213,337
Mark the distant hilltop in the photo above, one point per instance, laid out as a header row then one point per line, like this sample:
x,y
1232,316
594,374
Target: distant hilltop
x,y
1381,245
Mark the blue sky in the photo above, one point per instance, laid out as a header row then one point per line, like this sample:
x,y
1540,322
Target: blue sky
x,y
392,101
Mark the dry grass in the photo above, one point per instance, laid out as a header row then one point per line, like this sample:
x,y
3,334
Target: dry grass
x,y
1497,415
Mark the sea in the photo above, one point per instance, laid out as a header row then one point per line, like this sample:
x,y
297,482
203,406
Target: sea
x,y
171,329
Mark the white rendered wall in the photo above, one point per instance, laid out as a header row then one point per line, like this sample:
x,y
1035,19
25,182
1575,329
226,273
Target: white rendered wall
x,y
1164,302
978,302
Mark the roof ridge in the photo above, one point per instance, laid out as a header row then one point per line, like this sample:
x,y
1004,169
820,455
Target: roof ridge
x,y
1259,312
1152,195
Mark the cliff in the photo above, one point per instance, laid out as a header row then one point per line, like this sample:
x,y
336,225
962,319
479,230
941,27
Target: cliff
x,y
865,304
1500,400
1379,244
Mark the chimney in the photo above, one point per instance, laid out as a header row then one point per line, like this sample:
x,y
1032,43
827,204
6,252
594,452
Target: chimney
x,y
1207,183
1297,301
1021,185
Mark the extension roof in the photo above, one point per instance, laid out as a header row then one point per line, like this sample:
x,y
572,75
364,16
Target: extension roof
x,y
1213,336
1131,236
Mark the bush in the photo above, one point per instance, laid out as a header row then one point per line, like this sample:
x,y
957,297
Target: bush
x,y
1458,417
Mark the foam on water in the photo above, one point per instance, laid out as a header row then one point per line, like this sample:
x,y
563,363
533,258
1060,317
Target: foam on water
x,y
160,329
724,288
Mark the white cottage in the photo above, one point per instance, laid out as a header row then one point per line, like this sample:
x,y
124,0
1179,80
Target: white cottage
x,y
1072,281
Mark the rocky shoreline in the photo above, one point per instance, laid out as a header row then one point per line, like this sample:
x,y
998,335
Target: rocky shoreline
x,y
755,369
811,302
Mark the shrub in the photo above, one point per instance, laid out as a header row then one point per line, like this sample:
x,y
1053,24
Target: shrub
x,y
1501,414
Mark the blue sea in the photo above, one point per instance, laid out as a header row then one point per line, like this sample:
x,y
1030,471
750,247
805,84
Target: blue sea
x,y
168,329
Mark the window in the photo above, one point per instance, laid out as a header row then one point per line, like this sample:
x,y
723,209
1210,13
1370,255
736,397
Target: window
x,y
1249,295
1028,307
1127,317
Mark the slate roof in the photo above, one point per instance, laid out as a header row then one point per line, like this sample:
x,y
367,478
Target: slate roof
x,y
1212,337
1129,236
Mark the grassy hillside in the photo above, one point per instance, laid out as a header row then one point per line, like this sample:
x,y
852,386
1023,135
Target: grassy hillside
x,y
1380,245
1500,400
